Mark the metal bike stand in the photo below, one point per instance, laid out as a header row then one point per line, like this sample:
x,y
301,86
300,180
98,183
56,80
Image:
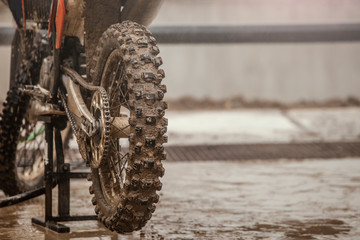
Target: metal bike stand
x,y
62,178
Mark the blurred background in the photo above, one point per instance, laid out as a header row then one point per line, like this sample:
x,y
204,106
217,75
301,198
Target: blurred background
x,y
286,73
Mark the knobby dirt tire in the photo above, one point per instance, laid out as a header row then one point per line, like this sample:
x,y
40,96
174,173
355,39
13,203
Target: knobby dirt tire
x,y
137,52
11,119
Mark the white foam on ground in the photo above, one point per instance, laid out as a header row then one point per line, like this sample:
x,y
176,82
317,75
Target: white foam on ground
x,y
263,126
236,126
330,124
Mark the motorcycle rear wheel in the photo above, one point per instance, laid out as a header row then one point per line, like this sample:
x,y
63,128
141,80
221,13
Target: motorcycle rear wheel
x,y
125,184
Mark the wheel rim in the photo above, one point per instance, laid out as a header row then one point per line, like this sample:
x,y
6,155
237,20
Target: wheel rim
x,y
30,150
112,174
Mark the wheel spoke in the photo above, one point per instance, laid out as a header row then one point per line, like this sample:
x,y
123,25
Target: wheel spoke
x,y
115,152
125,102
112,94
114,107
115,174
112,81
29,150
121,164
124,81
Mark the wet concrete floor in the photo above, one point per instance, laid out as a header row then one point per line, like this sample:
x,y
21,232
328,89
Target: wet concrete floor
x,y
282,199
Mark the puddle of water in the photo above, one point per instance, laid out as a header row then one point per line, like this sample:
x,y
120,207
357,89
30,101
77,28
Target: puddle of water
x,y
317,199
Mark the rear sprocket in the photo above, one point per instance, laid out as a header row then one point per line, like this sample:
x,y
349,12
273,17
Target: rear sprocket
x,y
100,141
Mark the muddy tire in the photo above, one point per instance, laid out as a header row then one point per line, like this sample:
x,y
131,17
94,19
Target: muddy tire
x,y
22,141
17,168
125,184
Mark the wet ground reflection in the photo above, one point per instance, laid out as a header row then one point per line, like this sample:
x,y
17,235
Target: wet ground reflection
x,y
303,230
313,199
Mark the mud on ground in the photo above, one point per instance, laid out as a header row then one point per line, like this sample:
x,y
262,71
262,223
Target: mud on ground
x,y
276,200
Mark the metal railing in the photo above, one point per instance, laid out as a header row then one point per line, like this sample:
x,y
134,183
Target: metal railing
x,y
349,32
257,33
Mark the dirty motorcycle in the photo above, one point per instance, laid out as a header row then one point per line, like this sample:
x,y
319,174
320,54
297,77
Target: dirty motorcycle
x,y
95,68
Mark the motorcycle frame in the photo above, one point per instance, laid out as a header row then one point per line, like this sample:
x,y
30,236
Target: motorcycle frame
x,y
141,11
